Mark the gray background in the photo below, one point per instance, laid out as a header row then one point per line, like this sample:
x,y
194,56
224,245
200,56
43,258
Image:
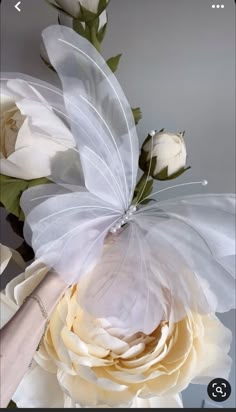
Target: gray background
x,y
178,65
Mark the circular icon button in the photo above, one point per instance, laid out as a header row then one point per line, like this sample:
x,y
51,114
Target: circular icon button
x,y
219,390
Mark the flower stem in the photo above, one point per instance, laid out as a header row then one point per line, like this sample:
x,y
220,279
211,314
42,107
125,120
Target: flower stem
x,y
139,187
93,37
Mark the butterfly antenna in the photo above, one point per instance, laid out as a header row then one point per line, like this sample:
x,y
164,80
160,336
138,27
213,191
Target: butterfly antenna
x,y
202,183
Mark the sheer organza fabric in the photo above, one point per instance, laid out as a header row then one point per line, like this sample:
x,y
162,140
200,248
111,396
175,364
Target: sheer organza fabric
x,y
170,257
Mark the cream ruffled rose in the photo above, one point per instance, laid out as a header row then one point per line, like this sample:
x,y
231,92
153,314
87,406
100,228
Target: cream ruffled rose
x,y
84,362
26,154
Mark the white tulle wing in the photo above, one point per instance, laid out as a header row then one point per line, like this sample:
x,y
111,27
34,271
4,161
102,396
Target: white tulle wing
x,y
123,288
100,116
65,228
201,231
171,257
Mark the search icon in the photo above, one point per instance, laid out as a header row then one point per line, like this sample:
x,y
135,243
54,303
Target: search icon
x,y
219,390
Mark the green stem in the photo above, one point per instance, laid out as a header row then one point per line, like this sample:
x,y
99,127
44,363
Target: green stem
x,y
93,37
139,187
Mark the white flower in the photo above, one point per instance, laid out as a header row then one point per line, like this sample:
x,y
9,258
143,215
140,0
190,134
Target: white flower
x,y
72,7
85,362
168,151
25,153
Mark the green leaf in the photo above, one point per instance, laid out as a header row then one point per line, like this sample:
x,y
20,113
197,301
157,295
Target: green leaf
x,y
11,191
86,15
78,27
163,175
11,405
102,5
143,188
101,33
147,190
137,114
113,62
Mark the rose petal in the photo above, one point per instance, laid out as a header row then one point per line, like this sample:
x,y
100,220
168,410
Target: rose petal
x,y
39,389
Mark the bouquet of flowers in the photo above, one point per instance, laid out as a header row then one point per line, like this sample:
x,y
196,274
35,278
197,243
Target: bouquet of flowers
x,y
136,324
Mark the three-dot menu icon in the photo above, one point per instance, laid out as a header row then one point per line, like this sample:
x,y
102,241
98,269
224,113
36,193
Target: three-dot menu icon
x,y
218,6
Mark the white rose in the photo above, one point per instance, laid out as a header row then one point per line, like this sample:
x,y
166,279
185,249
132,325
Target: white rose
x,y
168,152
72,7
85,362
26,154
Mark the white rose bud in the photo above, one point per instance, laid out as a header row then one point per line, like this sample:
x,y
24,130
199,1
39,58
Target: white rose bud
x,y
167,153
73,7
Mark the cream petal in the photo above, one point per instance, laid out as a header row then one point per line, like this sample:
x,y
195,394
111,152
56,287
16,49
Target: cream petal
x,y
88,394
186,373
42,359
72,7
56,326
182,345
133,351
26,163
91,5
97,351
176,163
156,354
5,255
6,103
162,384
39,389
99,378
44,122
89,361
35,267
7,309
10,287
174,401
24,289
73,342
98,336
217,363
158,402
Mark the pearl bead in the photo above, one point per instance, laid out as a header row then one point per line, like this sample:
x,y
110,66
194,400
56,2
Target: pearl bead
x,y
204,183
152,133
133,208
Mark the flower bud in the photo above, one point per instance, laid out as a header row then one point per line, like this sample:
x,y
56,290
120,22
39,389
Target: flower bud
x,y
83,9
167,153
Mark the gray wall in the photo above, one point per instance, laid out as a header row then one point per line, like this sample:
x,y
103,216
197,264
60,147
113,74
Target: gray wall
x,y
178,66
